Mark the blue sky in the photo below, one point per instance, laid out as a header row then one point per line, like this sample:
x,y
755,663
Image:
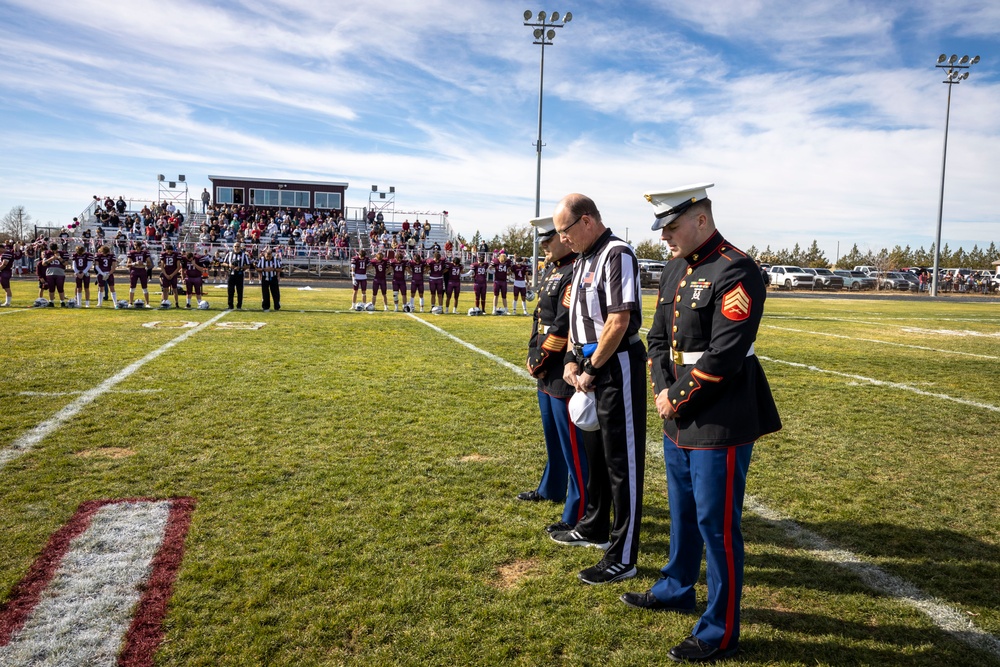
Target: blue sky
x,y
821,120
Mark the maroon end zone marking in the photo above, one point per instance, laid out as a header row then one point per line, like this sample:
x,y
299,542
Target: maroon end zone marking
x,y
146,631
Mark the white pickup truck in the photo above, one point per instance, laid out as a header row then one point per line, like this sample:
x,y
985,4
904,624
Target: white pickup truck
x,y
790,277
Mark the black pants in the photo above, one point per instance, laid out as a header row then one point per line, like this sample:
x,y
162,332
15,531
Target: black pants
x,y
616,455
235,284
270,292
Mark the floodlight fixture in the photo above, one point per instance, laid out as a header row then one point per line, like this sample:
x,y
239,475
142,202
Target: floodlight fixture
x,y
568,17
160,177
541,16
550,34
172,184
957,72
537,33
180,178
527,14
392,188
554,17
374,188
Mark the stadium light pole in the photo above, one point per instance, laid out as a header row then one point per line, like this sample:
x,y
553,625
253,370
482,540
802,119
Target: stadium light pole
x,y
955,74
543,29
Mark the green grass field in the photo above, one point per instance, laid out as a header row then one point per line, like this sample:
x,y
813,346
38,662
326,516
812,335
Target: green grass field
x,y
355,477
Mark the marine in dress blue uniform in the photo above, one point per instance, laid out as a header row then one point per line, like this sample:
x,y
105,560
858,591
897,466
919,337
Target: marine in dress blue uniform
x,y
715,401
565,475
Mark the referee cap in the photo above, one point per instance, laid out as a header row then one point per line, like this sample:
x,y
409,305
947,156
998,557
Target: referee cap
x,y
546,227
583,411
671,203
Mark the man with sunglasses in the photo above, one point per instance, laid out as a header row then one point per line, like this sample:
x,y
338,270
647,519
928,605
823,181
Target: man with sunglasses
x,y
606,356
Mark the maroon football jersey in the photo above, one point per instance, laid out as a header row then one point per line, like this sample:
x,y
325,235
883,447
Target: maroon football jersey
x,y
359,265
480,269
417,269
170,260
398,268
519,271
455,272
104,262
138,259
80,262
436,268
500,270
381,267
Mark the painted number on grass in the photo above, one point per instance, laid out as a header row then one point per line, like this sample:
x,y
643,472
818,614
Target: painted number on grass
x,y
98,593
247,326
170,325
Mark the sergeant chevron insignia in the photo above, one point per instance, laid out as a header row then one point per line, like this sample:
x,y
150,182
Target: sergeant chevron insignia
x,y
736,304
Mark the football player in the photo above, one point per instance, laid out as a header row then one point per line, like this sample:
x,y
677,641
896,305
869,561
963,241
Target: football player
x,y
11,253
436,268
194,267
139,264
454,285
359,273
380,265
417,267
479,275
170,271
104,265
82,262
501,269
54,263
399,266
520,270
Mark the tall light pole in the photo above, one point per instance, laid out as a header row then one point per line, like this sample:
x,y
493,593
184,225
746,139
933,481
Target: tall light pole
x,y
954,75
544,32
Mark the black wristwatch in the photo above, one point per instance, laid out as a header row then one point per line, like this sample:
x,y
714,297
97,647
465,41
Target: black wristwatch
x,y
588,367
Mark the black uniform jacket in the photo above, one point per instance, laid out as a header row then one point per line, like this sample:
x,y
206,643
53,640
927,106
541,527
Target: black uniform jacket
x,y
550,331
711,301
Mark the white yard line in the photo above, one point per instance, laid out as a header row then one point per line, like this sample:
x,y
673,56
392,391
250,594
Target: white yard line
x,y
945,617
489,355
883,383
85,611
881,342
74,393
26,442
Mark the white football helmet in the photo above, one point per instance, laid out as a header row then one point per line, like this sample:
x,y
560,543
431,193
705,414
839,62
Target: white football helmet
x,y
501,311
437,310
164,304
139,303
529,295
71,303
203,305
407,308
473,311
122,305
370,307
40,303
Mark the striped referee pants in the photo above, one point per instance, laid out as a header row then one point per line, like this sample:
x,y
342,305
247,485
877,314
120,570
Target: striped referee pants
x,y
616,455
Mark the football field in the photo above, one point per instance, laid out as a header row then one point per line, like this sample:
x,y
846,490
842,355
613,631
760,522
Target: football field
x,y
317,486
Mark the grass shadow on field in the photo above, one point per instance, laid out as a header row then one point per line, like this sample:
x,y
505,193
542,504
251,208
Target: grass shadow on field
x,y
830,640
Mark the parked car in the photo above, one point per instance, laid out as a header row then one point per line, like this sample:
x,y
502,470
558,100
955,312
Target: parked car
x,y
649,273
894,280
866,269
791,277
826,279
855,280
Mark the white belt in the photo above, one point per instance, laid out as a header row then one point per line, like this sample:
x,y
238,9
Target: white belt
x,y
689,358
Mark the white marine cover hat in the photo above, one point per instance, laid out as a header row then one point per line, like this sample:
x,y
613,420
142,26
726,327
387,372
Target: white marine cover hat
x,y
546,227
671,203
583,410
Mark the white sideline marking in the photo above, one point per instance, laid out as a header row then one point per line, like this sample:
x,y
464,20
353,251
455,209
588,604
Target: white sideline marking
x,y
74,393
886,342
85,611
943,615
489,355
26,442
883,383
963,333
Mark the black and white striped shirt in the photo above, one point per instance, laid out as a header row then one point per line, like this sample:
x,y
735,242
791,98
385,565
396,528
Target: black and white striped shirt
x,y
237,260
269,268
605,280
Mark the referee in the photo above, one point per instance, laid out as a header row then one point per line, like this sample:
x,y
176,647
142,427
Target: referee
x,y
237,261
606,356
269,268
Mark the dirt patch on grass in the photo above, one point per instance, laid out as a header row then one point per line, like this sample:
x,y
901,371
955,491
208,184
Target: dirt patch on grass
x,y
474,458
106,453
511,574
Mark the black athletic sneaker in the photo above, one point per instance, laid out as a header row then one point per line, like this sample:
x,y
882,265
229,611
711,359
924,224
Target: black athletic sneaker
x,y
558,526
693,649
606,572
574,538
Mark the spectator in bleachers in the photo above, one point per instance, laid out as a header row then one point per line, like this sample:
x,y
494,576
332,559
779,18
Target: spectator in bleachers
x,y
205,199
120,205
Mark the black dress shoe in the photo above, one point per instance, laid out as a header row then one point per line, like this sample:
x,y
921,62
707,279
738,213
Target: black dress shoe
x,y
649,602
530,496
558,525
693,649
